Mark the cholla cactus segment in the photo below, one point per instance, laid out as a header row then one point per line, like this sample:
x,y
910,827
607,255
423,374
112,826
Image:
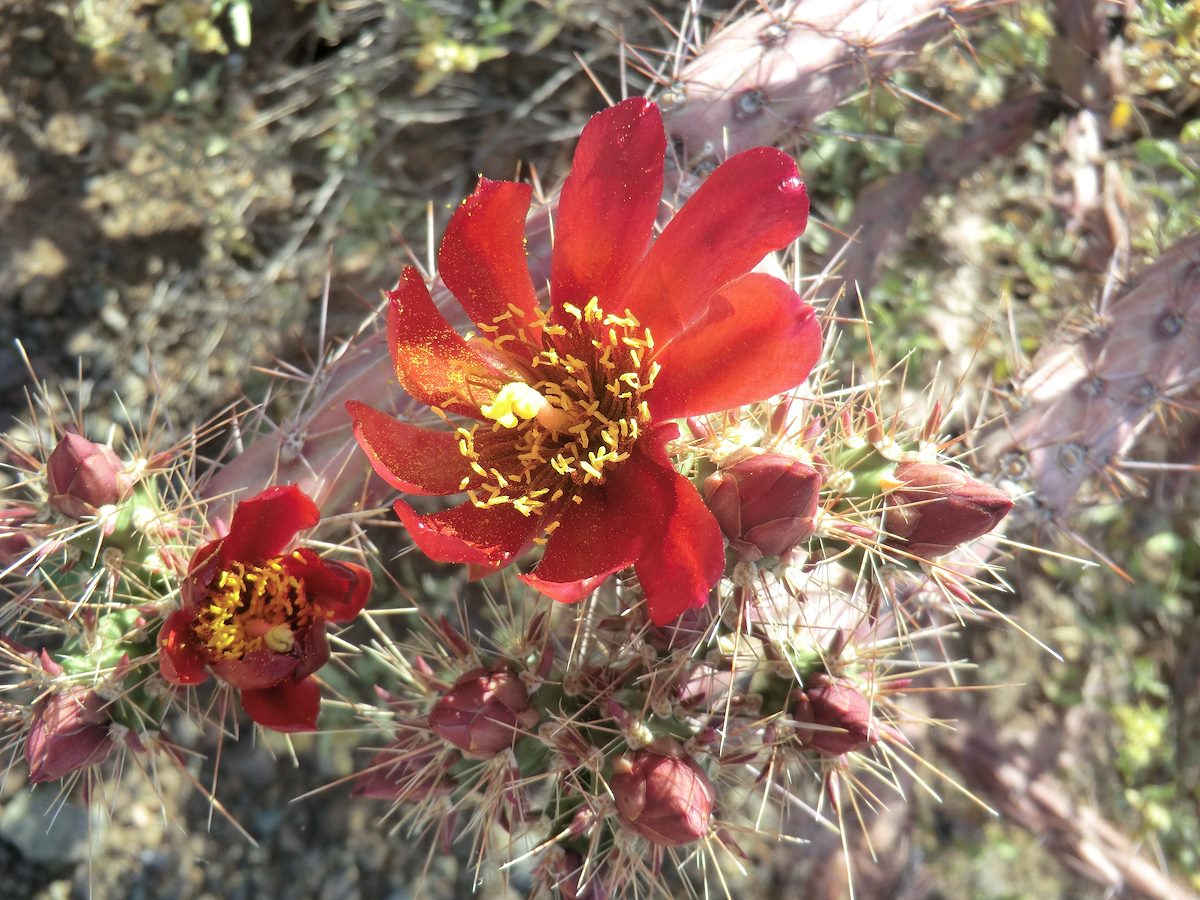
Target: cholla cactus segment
x,y
573,406
1093,395
777,69
96,552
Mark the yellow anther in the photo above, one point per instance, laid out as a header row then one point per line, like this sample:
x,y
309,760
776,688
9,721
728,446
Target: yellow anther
x,y
253,607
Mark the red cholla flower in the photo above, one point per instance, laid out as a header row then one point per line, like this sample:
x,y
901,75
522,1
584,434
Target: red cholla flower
x,y
664,797
933,508
569,409
83,476
254,614
764,502
483,713
69,732
837,704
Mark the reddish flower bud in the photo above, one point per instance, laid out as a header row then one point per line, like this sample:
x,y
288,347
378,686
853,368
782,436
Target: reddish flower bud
x,y
83,476
409,769
764,502
835,704
69,733
935,508
16,538
483,712
667,799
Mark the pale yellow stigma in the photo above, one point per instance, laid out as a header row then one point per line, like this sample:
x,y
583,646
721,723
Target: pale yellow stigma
x,y
280,638
518,402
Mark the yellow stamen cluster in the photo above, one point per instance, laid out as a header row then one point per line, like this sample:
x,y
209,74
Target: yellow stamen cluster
x,y
576,409
253,607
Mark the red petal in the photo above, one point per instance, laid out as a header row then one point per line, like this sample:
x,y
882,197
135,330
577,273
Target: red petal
x,y
256,670
482,258
679,568
205,565
411,459
180,659
264,525
433,362
757,339
314,651
569,591
290,706
469,534
339,589
605,533
751,205
608,203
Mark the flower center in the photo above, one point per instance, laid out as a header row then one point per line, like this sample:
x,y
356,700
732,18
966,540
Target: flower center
x,y
518,402
253,607
574,409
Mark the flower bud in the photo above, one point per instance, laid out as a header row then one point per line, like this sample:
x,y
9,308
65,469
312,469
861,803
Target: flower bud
x,y
764,502
666,798
482,713
83,476
69,732
935,507
407,769
835,704
16,536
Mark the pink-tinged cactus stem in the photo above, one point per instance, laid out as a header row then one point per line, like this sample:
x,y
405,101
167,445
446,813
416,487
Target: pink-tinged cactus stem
x,y
775,72
1090,399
